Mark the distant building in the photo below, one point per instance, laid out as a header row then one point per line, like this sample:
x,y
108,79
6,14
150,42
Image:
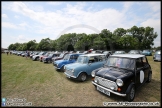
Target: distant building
x,y
3,50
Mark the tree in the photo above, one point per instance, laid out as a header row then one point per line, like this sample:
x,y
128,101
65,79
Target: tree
x,y
44,44
145,36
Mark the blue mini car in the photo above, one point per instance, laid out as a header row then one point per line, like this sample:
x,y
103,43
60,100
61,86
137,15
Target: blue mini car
x,y
147,53
84,65
68,59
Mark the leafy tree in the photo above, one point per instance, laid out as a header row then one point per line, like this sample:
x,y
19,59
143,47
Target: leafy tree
x,y
145,36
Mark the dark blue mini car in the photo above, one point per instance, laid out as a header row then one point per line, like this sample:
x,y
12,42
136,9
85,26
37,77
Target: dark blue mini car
x,y
48,59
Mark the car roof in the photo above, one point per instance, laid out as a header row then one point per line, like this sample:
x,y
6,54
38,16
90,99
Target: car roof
x,y
75,53
128,55
92,54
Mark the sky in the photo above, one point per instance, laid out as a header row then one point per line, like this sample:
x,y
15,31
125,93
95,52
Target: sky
x,y
25,21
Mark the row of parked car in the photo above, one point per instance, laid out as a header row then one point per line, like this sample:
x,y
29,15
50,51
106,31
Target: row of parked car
x,y
118,73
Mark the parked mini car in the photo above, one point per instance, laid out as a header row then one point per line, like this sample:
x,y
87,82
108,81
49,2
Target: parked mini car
x,y
119,52
68,59
41,56
84,65
34,53
157,56
49,58
36,57
97,51
147,52
135,52
122,75
61,56
85,52
23,54
19,53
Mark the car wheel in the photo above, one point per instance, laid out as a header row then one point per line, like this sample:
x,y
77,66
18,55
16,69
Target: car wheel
x,y
37,59
149,77
82,77
49,61
62,69
131,94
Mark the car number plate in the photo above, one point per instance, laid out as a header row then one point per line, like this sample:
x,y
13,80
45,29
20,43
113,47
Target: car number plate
x,y
103,91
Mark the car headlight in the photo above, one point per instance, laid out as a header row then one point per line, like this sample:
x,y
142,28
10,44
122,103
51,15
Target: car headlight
x,y
96,80
93,74
119,82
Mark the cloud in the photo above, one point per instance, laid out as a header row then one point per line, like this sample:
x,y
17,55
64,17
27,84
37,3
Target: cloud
x,y
16,16
9,25
54,3
22,38
20,26
52,23
4,16
155,6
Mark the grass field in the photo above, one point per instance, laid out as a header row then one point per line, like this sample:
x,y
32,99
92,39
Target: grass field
x,y
42,85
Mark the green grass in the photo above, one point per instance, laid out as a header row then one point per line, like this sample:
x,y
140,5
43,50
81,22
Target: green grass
x,y
42,85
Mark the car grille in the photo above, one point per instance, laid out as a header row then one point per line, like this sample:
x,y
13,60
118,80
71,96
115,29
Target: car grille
x,y
106,83
68,71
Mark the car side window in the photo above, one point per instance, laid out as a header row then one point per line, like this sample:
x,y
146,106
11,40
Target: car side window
x,y
139,63
91,60
96,59
101,58
144,61
73,57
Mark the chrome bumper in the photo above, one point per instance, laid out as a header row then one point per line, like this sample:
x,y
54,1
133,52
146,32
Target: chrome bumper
x,y
69,76
119,94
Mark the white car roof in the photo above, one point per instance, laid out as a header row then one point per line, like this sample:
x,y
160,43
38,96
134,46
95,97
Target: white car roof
x,y
93,54
129,55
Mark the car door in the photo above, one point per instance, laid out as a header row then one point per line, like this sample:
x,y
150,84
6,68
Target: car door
x,y
140,72
93,64
146,68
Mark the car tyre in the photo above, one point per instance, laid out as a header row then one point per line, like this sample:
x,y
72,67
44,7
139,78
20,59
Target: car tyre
x,y
149,77
82,77
62,69
37,59
49,61
131,94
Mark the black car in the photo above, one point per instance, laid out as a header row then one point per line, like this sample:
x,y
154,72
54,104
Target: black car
x,y
122,75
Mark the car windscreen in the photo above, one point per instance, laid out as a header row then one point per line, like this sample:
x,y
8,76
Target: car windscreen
x,y
41,53
61,55
66,57
50,55
119,62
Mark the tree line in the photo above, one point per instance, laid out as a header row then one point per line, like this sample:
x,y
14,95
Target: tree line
x,y
121,39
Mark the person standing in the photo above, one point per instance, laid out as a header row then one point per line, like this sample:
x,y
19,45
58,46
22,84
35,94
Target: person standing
x,y
7,52
28,54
